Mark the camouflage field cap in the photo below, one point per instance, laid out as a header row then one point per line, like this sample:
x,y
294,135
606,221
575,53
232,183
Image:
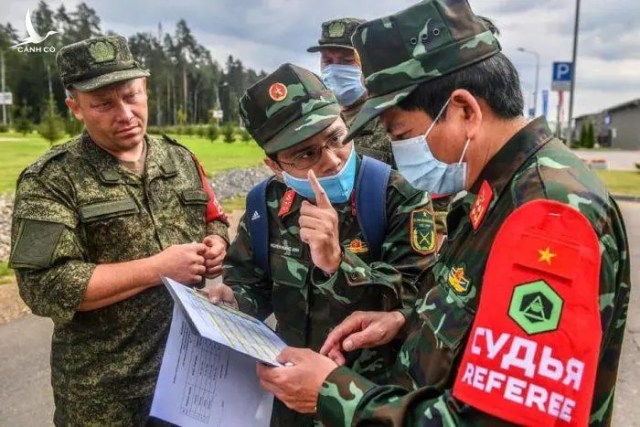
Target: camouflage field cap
x,y
94,63
337,33
428,40
287,107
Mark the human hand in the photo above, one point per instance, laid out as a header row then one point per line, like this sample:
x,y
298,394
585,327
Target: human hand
x,y
298,383
362,329
214,255
221,293
183,263
319,229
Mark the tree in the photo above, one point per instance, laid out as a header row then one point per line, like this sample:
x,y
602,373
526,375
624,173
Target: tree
x,y
183,73
245,136
22,122
51,127
213,132
582,141
591,137
229,133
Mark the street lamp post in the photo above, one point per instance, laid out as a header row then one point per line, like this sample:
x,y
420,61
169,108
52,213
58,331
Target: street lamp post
x,y
535,87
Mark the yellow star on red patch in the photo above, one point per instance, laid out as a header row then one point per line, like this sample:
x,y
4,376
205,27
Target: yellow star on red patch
x,y
546,255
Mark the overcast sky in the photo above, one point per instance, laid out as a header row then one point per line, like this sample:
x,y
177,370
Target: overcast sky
x,y
266,33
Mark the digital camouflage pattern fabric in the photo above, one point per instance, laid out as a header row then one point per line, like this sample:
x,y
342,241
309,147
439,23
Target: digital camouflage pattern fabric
x,y
421,43
306,303
532,166
337,33
94,63
287,107
77,207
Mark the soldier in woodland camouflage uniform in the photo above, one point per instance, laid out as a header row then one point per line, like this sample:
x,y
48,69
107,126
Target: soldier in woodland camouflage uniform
x,y
96,222
341,72
345,80
524,318
322,268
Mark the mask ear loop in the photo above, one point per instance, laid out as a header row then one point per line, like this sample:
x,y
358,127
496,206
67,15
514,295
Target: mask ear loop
x,y
464,151
442,110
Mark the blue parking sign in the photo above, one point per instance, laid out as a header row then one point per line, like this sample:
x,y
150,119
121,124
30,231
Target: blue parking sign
x,y
562,76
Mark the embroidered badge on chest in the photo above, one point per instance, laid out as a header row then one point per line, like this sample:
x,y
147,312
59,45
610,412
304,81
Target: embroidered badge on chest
x,y
423,231
458,281
357,246
480,206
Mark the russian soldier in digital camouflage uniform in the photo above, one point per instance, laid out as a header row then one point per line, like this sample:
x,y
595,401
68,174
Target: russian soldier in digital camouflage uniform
x,y
96,222
342,73
322,268
524,317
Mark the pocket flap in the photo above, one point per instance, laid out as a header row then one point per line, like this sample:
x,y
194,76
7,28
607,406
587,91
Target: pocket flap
x,y
447,319
194,197
100,210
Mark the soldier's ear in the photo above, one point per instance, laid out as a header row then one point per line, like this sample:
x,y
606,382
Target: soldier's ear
x,y
273,165
72,103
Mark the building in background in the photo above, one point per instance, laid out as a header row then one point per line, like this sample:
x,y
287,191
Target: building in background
x,y
615,127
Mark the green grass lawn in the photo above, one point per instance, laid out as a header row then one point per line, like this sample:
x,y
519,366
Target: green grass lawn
x,y
17,152
6,274
621,182
219,156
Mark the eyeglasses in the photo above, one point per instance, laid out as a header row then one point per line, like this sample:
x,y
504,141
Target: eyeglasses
x,y
312,155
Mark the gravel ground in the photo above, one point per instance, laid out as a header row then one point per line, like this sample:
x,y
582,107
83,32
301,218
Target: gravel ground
x,y
6,206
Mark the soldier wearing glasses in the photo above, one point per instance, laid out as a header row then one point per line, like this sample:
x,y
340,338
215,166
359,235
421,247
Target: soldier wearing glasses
x,y
321,267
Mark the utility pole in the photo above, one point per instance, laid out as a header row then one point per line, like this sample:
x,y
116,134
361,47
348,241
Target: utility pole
x,y
535,87
576,27
4,106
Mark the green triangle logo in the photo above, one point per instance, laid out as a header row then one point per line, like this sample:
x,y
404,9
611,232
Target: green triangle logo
x,y
535,310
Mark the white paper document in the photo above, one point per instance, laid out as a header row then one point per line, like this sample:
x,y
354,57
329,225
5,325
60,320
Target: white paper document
x,y
208,370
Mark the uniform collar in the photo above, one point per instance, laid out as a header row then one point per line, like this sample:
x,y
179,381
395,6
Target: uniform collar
x,y
158,163
499,171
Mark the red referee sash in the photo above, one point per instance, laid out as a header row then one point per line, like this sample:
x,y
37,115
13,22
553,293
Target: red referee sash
x,y
532,354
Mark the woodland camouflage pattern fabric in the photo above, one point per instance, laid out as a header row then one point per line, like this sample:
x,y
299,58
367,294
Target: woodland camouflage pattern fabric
x,y
94,63
306,303
77,207
419,44
533,165
287,107
373,141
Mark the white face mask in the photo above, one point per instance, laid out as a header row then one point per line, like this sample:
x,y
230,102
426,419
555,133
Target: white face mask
x,y
419,166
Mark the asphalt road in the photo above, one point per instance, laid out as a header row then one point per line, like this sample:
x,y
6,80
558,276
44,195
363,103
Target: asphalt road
x,y
25,390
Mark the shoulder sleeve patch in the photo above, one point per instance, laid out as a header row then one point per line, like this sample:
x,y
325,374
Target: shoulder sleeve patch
x,y
35,244
422,231
533,350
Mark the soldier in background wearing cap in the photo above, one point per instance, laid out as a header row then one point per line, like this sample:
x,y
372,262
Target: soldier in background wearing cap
x,y
526,306
322,265
341,72
96,222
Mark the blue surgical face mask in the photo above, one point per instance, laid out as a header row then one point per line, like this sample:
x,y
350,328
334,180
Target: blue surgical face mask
x,y
419,166
338,187
345,81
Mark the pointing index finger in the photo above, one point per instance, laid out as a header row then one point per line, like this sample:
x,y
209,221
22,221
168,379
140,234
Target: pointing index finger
x,y
322,201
